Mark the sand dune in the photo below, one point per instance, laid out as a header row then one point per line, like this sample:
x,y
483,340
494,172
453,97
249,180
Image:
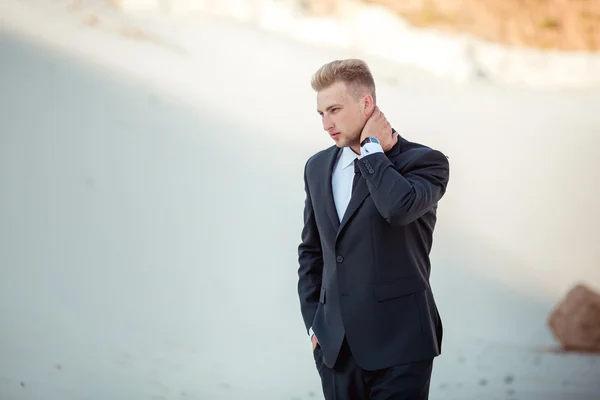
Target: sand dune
x,y
151,208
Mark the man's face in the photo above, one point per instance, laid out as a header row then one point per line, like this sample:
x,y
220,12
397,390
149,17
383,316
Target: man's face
x,y
343,113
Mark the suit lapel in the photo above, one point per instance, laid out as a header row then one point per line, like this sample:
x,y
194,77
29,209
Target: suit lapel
x,y
328,188
362,190
358,196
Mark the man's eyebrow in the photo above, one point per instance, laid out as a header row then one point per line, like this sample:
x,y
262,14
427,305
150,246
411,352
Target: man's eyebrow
x,y
330,107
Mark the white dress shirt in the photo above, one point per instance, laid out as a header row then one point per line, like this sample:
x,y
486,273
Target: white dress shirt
x,y
343,175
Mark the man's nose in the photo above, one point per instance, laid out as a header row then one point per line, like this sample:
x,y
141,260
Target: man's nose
x,y
327,123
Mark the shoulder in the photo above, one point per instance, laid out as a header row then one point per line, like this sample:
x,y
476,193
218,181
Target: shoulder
x,y
412,153
318,161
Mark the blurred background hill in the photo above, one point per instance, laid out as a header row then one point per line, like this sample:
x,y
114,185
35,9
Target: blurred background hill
x,y
533,42
543,24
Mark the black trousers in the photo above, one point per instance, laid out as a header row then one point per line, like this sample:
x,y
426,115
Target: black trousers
x,y
347,381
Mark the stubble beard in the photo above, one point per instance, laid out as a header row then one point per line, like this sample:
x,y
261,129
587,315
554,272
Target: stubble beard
x,y
348,142
354,139
351,140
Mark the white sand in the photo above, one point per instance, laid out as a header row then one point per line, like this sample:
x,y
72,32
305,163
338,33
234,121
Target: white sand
x,y
130,268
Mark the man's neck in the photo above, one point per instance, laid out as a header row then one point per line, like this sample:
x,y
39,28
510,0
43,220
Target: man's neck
x,y
356,147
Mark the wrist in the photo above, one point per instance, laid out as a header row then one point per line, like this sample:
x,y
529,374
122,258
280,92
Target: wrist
x,y
369,139
368,146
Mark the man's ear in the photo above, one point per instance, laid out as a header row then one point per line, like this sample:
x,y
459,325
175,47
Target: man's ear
x,y
368,104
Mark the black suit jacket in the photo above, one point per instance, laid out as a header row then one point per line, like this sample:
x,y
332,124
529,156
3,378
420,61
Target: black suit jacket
x,y
367,277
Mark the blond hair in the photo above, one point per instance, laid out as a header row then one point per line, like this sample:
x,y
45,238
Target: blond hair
x,y
353,72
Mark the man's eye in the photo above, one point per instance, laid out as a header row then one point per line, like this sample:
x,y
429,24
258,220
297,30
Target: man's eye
x,y
334,109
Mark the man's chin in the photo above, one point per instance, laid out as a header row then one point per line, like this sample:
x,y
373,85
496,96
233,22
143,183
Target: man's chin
x,y
340,142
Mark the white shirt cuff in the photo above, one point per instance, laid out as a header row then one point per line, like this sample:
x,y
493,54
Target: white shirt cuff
x,y
310,332
370,148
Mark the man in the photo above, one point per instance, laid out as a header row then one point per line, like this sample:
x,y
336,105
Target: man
x,y
364,267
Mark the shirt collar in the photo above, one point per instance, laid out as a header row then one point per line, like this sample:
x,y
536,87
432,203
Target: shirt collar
x,y
347,157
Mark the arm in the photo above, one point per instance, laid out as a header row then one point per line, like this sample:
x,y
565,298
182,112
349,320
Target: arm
x,y
403,198
310,259
400,198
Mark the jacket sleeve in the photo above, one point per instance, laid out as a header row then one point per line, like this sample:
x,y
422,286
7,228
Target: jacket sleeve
x,y
401,198
310,259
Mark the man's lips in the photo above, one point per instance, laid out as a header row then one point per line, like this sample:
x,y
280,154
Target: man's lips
x,y
334,134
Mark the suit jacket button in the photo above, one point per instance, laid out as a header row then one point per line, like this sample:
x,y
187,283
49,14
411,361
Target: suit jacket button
x,y
340,259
